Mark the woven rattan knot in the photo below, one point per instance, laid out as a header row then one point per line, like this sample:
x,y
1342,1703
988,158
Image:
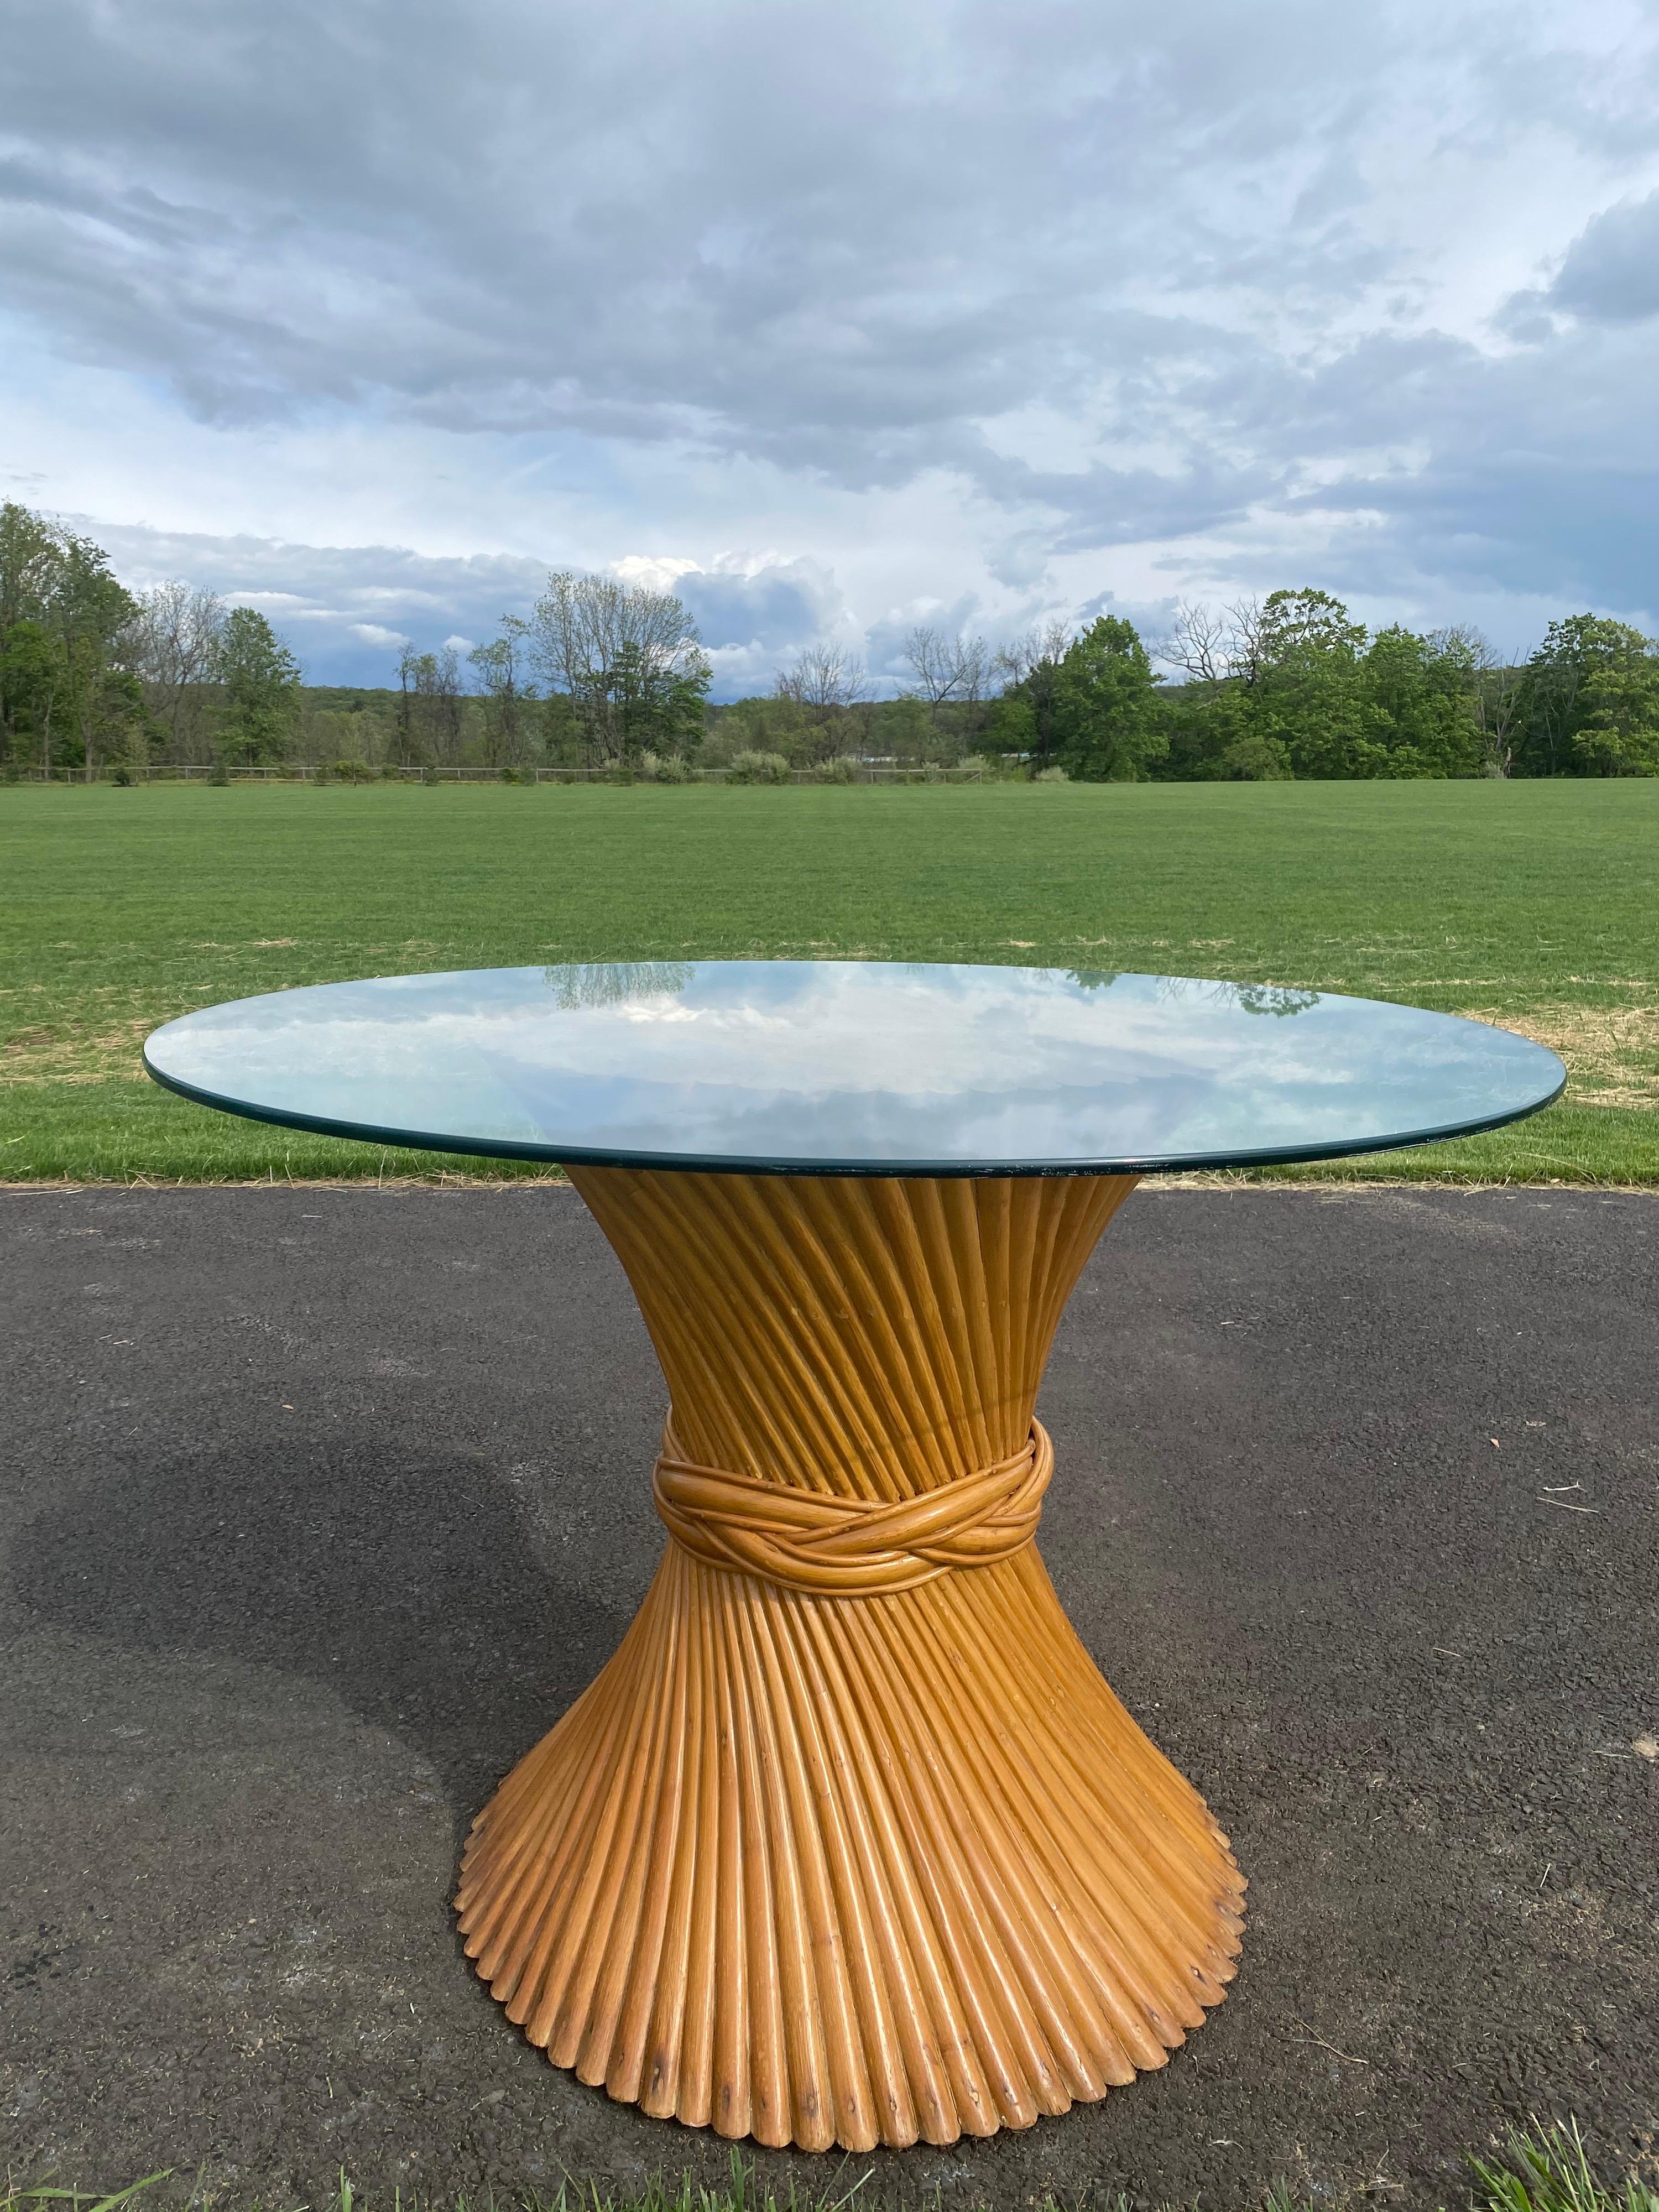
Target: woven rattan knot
x,y
840,1547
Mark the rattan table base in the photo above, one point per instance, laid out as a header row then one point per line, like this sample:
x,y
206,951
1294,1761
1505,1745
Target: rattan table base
x,y
843,1869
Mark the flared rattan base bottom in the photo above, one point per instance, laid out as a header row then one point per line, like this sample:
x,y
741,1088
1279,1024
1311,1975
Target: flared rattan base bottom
x,y
851,1869
825,1872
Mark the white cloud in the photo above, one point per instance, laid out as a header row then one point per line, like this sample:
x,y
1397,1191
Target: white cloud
x,y
658,573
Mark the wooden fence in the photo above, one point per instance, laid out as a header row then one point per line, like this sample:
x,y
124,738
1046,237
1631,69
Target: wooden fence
x,y
871,772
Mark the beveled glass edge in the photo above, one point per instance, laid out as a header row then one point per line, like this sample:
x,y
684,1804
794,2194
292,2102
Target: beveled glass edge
x,y
507,1148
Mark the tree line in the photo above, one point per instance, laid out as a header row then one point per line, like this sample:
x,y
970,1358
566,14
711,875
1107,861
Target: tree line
x,y
97,679
1291,686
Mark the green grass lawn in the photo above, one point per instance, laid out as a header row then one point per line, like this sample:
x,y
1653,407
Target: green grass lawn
x,y
1535,904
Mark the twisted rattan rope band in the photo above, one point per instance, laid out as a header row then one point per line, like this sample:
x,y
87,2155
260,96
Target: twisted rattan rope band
x,y
839,1547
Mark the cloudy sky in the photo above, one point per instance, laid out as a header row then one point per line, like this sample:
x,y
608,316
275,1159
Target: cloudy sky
x,y
840,316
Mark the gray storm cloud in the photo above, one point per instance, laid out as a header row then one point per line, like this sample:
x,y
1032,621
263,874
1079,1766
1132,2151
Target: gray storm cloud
x,y
1611,274
1358,287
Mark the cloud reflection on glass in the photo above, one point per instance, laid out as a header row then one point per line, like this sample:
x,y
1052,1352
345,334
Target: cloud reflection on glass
x,y
853,1067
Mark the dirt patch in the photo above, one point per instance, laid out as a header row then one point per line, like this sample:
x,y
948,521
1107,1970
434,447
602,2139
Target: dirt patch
x,y
1612,1053
75,1054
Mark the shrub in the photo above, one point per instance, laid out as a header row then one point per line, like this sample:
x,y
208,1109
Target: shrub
x,y
1051,775
664,768
1258,759
121,773
842,769
758,768
353,771
429,774
389,772
219,773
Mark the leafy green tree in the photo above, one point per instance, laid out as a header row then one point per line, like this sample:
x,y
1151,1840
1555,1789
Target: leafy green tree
x,y
1291,627
260,689
31,681
657,706
1023,720
560,730
89,616
1290,685
126,732
1205,723
1589,701
1301,665
65,628
1255,758
30,557
1206,719
1424,692
1015,728
1107,725
1552,691
1620,732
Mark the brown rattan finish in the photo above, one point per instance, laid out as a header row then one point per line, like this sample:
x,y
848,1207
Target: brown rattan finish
x,y
850,1843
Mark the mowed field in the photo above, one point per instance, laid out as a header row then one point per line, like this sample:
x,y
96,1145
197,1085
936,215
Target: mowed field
x,y
1534,904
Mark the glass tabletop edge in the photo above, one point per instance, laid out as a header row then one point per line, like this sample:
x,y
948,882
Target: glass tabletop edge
x,y
694,1164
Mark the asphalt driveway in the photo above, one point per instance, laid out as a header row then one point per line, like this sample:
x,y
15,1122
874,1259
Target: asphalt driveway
x,y
317,1506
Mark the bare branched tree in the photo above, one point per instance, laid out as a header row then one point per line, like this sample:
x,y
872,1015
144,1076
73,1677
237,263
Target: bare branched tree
x,y
429,713
973,670
927,651
946,667
506,690
1244,639
175,645
1199,643
1037,648
1495,689
1209,644
607,646
823,676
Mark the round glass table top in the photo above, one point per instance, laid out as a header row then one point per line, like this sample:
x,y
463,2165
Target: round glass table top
x,y
847,1067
